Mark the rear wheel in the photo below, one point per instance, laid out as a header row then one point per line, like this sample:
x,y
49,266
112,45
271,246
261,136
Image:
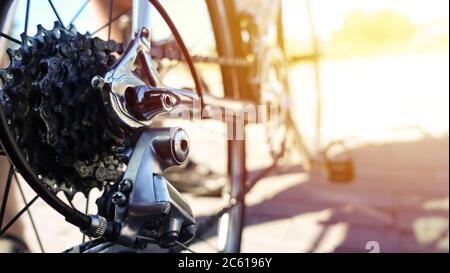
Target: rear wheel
x,y
224,17
44,114
231,224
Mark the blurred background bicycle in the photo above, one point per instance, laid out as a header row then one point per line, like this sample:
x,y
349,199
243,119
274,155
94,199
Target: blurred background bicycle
x,y
380,70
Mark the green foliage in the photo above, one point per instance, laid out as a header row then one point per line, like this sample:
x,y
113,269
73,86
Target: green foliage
x,y
370,33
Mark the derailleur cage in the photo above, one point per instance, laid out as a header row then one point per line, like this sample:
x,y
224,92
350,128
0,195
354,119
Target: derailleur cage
x,y
149,204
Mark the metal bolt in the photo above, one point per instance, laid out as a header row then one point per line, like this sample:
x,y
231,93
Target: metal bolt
x,y
125,186
167,102
98,82
180,145
119,199
120,149
101,174
145,32
54,65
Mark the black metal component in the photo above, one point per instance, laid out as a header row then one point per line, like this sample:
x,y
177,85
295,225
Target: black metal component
x,y
104,203
153,204
10,38
119,199
126,186
14,153
145,102
69,200
86,211
164,210
56,117
30,216
6,194
18,215
185,247
27,16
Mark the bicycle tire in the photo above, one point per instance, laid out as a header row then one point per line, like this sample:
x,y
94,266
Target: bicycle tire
x,y
226,48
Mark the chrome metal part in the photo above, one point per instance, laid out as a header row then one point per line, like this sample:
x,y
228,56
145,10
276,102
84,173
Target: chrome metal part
x,y
98,227
141,16
122,77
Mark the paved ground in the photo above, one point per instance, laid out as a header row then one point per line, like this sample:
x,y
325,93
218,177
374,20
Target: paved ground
x,y
399,200
399,203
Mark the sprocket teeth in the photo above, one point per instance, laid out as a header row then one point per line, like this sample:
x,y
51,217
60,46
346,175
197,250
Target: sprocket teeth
x,y
41,29
26,40
10,53
54,112
3,73
73,29
57,25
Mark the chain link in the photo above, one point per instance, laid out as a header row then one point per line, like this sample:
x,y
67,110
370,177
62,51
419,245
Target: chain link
x,y
223,61
166,50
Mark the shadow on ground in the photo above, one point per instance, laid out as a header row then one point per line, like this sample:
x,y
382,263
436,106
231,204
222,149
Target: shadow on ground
x,y
398,202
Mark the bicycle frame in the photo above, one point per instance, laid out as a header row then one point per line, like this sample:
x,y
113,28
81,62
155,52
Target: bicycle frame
x,y
141,16
156,98
121,79
144,196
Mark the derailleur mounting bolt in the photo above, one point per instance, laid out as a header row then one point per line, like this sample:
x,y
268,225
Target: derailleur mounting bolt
x,y
98,82
145,32
125,186
119,199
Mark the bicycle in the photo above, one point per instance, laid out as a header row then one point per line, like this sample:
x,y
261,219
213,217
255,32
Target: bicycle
x,y
122,93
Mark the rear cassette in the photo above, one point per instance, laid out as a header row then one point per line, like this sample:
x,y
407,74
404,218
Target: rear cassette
x,y
56,116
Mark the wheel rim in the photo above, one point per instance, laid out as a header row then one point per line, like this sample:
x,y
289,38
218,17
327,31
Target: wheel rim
x,y
60,206
21,164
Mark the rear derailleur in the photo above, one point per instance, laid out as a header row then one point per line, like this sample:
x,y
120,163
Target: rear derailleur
x,y
144,208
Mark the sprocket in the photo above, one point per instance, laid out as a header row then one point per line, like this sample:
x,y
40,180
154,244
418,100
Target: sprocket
x,y
56,116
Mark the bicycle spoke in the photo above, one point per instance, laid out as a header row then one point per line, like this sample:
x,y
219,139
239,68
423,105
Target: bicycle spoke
x,y
27,16
14,220
56,12
6,194
184,247
80,10
111,3
208,243
10,38
111,21
86,211
69,201
30,216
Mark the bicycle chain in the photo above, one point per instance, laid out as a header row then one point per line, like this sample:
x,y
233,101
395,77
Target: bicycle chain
x,y
55,115
169,50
